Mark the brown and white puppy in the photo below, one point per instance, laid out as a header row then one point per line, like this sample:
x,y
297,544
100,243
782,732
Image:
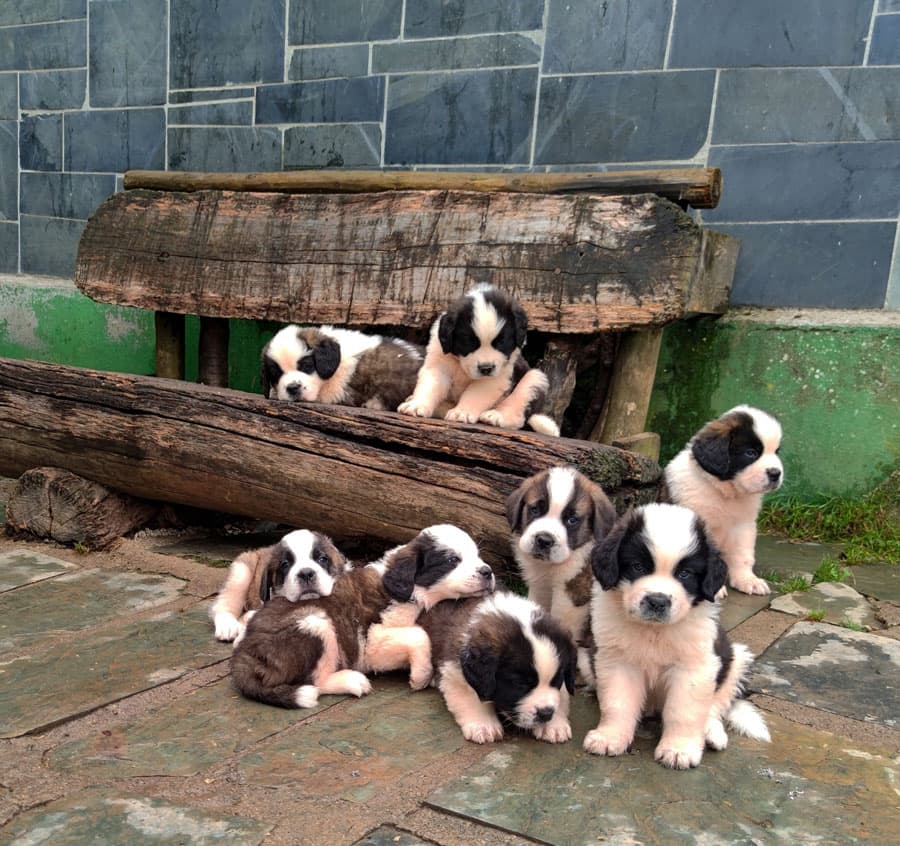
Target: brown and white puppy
x,y
556,517
659,645
302,565
474,363
292,652
502,659
722,474
339,366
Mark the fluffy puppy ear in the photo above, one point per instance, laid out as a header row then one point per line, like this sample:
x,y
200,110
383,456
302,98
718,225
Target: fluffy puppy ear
x,y
479,667
521,321
446,325
710,448
264,380
400,576
604,513
716,568
326,357
271,556
515,507
605,555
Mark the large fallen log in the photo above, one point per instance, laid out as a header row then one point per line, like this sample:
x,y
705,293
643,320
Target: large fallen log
x,y
347,471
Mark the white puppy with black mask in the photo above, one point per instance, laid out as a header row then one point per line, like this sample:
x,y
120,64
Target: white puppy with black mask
x,y
722,474
474,371
659,645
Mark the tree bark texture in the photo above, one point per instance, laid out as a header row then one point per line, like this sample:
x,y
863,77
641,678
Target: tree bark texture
x,y
348,471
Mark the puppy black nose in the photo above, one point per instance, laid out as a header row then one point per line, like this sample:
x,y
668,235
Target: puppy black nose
x,y
306,575
485,369
773,473
544,540
543,715
293,389
486,572
657,602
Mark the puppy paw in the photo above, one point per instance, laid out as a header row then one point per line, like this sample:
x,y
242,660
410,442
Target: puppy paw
x,y
554,731
227,627
722,593
486,732
606,740
460,415
414,409
679,754
356,684
750,584
420,677
715,735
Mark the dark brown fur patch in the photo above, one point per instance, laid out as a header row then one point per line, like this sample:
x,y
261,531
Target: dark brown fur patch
x,y
445,624
578,587
386,374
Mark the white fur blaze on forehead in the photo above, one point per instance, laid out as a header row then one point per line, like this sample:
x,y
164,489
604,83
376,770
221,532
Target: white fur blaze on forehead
x,y
670,533
452,537
300,543
486,323
546,657
560,486
517,607
285,348
767,428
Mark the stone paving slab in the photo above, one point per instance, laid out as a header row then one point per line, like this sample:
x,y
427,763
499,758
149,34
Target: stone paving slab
x,y
387,835
183,738
851,673
79,600
737,607
806,787
98,818
881,581
77,676
787,557
356,751
839,602
23,567
215,547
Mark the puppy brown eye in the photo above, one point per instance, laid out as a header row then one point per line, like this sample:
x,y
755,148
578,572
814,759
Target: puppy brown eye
x,y
573,520
322,559
454,560
535,510
638,568
684,575
750,452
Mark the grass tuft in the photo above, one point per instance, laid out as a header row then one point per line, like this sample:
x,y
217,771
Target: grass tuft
x,y
852,625
830,570
815,616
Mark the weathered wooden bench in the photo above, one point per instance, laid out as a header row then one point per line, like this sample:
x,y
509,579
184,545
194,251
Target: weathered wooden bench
x,y
368,250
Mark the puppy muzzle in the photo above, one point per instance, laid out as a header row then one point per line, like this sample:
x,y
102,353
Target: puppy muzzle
x,y
655,607
542,545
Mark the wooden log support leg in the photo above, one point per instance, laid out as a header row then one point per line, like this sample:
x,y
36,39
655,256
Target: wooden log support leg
x,y
169,345
632,384
214,351
560,363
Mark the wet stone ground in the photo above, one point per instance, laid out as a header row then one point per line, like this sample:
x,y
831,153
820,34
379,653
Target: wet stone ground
x,y
118,724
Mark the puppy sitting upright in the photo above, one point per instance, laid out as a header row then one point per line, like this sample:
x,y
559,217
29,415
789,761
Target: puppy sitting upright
x,y
659,645
556,517
339,366
291,652
502,658
302,565
474,361
722,474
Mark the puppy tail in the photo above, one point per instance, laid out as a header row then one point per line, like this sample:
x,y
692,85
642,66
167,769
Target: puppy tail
x,y
544,425
746,719
306,696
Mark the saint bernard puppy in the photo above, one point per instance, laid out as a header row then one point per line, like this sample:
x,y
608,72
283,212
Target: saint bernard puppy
x,y
339,366
474,363
659,645
556,516
722,474
293,651
502,659
302,565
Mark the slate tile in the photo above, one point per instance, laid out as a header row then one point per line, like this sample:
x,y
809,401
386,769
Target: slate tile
x,y
74,195
9,169
9,97
453,53
833,668
623,117
217,42
100,816
332,61
71,677
37,11
583,35
426,18
323,101
839,603
128,53
800,104
808,182
63,89
225,149
889,5
44,46
333,145
9,251
229,114
336,21
24,566
49,245
739,607
885,49
779,33
115,141
809,264
207,96
40,142
457,118
751,792
879,581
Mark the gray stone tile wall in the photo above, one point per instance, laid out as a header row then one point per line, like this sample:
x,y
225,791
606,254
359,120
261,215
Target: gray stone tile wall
x,y
798,101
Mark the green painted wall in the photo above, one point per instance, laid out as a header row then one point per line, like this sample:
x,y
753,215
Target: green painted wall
x,y
835,389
